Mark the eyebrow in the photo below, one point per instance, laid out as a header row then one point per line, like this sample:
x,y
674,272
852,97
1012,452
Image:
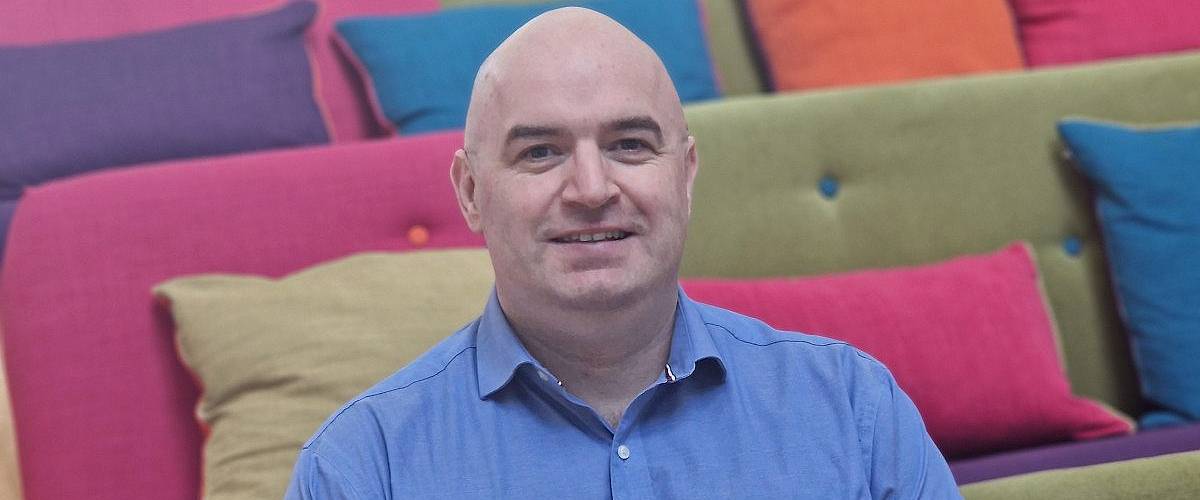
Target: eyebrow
x,y
639,123
643,122
534,131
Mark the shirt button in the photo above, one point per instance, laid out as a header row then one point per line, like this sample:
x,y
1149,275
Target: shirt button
x,y
623,452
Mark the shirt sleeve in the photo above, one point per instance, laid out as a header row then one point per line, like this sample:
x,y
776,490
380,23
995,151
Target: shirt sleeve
x,y
315,479
905,464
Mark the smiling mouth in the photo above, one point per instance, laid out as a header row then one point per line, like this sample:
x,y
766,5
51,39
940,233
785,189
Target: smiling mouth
x,y
593,237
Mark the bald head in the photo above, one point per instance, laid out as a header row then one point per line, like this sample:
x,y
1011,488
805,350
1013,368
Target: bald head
x,y
568,57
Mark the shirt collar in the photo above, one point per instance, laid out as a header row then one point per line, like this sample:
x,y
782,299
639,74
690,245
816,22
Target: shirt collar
x,y
499,353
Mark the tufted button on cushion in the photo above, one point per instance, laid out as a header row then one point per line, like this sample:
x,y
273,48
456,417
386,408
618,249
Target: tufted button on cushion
x,y
828,185
1073,245
418,235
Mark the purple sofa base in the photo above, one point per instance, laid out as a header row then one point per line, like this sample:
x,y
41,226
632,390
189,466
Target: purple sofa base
x,y
1078,454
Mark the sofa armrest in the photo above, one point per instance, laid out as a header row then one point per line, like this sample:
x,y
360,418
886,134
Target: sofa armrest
x,y
1161,477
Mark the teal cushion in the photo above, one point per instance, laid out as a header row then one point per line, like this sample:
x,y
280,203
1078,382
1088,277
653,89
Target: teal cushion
x,y
1147,182
421,67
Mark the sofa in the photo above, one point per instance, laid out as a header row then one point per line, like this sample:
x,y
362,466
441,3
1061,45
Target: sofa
x,y
791,184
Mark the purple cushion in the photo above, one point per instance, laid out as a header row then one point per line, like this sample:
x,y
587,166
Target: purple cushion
x,y
205,89
1140,445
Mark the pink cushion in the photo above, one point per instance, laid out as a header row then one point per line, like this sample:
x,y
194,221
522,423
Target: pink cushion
x,y
969,340
1069,31
338,85
102,407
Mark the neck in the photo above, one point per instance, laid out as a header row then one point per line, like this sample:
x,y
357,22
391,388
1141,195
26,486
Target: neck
x,y
605,356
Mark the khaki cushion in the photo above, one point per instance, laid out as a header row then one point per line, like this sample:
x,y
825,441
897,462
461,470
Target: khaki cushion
x,y
276,357
1164,477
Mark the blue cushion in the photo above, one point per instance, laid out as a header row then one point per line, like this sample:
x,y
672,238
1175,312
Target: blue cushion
x,y
211,88
1147,184
422,66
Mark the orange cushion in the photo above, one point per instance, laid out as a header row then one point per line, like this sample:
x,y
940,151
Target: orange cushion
x,y
819,43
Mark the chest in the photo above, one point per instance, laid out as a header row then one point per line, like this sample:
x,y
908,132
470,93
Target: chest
x,y
671,445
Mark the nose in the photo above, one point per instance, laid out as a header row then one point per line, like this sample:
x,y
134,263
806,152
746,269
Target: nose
x,y
590,182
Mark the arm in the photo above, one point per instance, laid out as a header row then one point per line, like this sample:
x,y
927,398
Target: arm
x,y
905,464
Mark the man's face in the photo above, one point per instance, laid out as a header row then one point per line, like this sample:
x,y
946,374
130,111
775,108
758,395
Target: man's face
x,y
580,182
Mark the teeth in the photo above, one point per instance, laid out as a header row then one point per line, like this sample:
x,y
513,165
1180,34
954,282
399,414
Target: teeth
x,y
587,238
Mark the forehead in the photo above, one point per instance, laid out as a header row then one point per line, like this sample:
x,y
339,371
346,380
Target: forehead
x,y
578,90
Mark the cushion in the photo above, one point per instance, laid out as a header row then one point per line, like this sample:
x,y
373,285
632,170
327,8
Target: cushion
x,y
1164,477
346,111
1069,31
1078,454
1146,181
421,68
98,394
212,88
969,339
277,357
820,43
732,52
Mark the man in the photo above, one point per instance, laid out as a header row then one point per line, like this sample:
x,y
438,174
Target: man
x,y
589,374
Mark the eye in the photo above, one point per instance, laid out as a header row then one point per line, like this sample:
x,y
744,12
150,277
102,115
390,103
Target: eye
x,y
631,145
540,152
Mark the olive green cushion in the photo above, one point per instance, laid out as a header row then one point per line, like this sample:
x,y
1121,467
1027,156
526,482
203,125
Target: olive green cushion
x,y
274,358
727,35
924,172
1164,477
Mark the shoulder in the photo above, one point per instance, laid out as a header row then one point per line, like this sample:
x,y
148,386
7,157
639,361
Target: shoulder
x,y
446,370
751,334
750,345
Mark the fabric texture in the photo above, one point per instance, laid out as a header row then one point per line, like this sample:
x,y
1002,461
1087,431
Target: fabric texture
x,y
1060,456
1072,31
421,68
970,339
822,43
1147,180
98,394
738,404
212,88
1167,477
276,357
340,92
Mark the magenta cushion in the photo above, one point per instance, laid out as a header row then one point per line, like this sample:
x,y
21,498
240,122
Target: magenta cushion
x,y
969,340
340,90
102,407
1070,31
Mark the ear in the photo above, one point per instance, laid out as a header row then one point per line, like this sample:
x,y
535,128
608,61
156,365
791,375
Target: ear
x,y
463,178
691,164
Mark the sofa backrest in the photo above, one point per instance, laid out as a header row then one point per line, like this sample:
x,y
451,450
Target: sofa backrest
x,y
832,181
102,406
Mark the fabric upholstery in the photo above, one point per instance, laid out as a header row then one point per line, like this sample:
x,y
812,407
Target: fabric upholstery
x,y
1072,31
207,89
340,92
1147,180
277,357
926,171
421,68
732,52
1167,477
969,339
85,252
1061,456
822,43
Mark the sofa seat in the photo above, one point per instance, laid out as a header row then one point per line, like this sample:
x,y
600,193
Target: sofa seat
x,y
1060,456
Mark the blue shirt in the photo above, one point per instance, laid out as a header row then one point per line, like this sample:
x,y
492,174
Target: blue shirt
x,y
741,411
